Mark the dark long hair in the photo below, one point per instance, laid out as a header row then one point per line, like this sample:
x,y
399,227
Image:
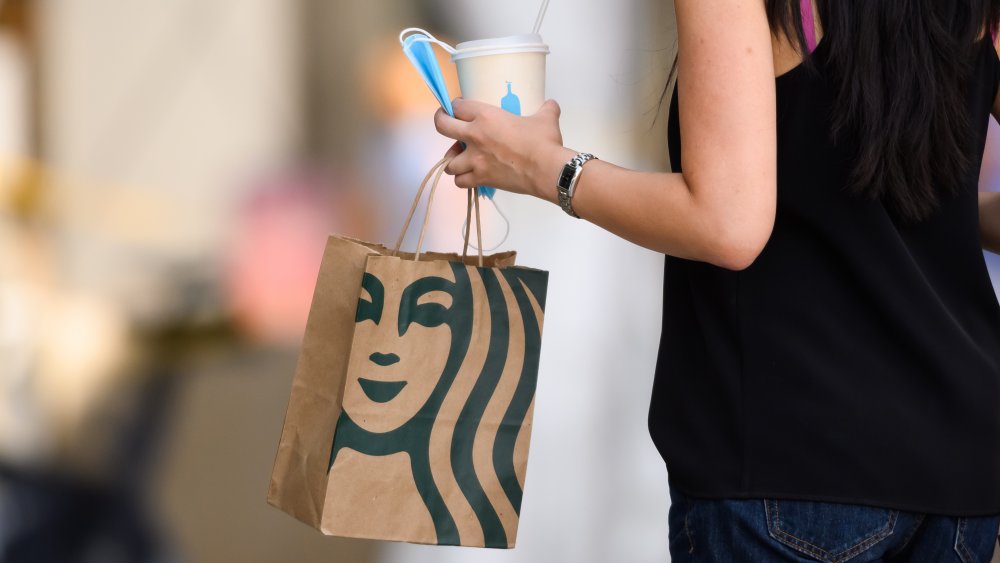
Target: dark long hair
x,y
900,70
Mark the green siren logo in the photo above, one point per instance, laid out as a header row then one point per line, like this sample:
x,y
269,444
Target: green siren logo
x,y
439,392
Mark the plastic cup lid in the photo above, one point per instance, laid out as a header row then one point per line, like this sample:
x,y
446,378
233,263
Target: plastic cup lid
x,y
528,43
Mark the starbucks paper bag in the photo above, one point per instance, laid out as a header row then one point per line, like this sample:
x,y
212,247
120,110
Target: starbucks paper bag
x,y
410,413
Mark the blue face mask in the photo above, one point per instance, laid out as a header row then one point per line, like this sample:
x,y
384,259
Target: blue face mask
x,y
417,47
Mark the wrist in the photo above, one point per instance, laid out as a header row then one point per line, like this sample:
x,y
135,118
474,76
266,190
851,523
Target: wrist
x,y
548,166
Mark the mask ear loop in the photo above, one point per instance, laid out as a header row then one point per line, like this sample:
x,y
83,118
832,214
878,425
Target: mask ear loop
x,y
428,39
506,232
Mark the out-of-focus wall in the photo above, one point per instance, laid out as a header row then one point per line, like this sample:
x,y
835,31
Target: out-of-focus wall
x,y
13,98
158,121
156,115
989,181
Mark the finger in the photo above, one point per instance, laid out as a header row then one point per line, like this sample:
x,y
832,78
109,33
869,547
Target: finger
x,y
455,150
449,126
466,180
468,110
461,164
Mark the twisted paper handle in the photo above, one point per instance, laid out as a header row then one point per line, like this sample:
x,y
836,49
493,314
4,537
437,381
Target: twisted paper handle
x,y
436,171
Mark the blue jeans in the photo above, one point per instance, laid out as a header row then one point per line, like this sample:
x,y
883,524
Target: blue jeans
x,y
764,530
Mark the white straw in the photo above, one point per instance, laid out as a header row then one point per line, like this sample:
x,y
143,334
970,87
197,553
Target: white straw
x,y
541,16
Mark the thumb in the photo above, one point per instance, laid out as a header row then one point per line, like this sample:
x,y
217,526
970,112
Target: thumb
x,y
551,107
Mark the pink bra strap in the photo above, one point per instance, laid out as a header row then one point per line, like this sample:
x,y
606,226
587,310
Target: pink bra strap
x,y
808,25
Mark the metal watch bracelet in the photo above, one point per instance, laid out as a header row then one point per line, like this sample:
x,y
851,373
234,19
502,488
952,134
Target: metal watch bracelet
x,y
570,176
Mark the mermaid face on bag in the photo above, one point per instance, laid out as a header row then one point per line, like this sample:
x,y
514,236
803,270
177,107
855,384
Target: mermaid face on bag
x,y
437,401
406,338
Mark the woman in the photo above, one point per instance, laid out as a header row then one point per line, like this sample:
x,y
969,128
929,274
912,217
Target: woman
x,y
828,381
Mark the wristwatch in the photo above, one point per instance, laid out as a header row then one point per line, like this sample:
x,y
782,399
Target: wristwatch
x,y
568,180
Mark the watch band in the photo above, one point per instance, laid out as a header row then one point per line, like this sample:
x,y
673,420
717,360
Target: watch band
x,y
568,179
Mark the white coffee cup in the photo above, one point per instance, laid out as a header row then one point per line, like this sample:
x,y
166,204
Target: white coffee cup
x,y
508,72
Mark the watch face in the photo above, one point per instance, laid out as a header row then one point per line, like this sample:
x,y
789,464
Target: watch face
x,y
566,177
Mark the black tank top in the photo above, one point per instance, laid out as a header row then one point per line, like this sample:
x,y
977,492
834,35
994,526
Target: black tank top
x,y
857,359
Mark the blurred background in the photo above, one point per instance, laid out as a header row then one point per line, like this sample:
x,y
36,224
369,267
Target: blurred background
x,y
169,170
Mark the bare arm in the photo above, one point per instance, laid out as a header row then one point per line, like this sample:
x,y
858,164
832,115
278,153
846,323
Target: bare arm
x,y
721,209
661,211
722,206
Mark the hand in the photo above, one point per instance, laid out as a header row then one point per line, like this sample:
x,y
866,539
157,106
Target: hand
x,y
505,151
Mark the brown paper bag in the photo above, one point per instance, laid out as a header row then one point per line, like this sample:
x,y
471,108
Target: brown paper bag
x,y
410,413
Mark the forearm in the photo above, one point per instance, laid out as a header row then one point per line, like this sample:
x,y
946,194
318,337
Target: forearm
x,y
657,211
989,221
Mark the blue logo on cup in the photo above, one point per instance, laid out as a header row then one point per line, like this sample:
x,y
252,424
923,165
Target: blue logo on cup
x,y
511,102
